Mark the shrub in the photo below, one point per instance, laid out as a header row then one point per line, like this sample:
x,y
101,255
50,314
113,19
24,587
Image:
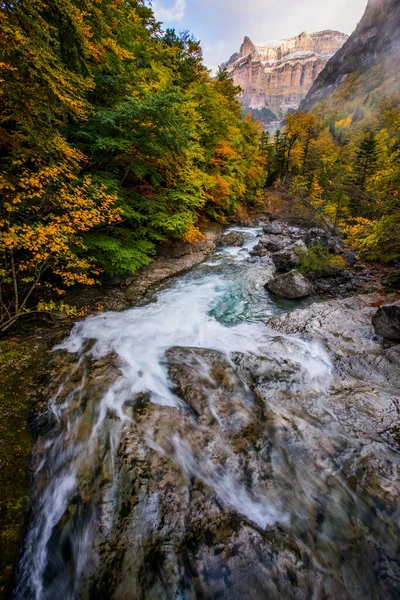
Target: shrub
x,y
319,262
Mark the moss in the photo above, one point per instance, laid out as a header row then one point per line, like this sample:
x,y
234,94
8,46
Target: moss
x,y
19,363
318,262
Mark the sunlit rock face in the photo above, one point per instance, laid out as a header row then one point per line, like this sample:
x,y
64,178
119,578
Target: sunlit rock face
x,y
277,75
372,52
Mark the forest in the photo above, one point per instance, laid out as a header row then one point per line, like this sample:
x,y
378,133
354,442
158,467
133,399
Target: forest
x,y
114,136
342,160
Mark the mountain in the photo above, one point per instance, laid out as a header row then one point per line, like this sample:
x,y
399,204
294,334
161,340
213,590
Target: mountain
x,y
277,75
367,65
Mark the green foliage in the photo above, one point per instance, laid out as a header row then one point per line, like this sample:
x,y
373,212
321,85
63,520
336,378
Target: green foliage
x,y
264,114
319,262
113,137
346,171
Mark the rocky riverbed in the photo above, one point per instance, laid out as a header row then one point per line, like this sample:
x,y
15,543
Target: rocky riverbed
x,y
220,442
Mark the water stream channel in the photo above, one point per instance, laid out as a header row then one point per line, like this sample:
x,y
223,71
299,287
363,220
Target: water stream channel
x,y
189,451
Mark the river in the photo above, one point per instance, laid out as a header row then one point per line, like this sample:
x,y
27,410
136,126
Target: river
x,y
157,437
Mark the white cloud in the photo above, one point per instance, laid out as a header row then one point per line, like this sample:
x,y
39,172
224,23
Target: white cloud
x,y
176,12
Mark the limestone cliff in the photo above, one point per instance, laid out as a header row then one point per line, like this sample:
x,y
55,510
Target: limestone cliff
x,y
277,75
371,56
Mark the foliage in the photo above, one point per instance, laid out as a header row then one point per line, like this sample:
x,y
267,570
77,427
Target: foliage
x,y
377,240
347,171
113,137
264,114
66,309
319,262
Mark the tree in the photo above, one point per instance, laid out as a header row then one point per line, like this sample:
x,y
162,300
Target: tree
x,y
366,160
113,137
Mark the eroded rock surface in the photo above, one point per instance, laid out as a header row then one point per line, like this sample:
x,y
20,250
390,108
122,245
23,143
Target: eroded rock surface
x,y
290,285
387,321
265,477
266,469
234,238
278,75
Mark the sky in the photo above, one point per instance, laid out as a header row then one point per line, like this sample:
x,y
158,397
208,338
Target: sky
x,y
221,25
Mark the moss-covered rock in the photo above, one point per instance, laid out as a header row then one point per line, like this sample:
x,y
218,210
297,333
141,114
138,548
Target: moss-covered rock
x,y
20,365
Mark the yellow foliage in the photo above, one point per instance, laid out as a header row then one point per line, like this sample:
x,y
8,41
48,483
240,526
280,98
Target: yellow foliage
x,y
193,235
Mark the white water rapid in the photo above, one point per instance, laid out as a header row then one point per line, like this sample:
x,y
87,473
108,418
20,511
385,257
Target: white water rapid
x,y
221,306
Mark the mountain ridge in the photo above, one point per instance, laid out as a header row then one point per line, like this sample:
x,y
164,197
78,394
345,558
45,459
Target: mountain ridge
x,y
375,38
278,74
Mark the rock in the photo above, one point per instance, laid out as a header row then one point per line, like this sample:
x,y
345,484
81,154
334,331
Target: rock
x,y
345,328
392,280
234,238
386,321
336,286
289,257
273,454
375,39
272,228
349,257
296,233
279,74
275,243
179,249
290,285
259,250
322,238
162,269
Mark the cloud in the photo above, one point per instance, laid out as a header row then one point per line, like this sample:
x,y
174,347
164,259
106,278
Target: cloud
x,y
176,12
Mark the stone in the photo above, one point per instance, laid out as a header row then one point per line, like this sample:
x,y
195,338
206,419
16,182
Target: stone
x,y
271,456
272,228
386,321
349,257
274,243
294,232
234,238
392,279
290,285
259,250
316,236
289,257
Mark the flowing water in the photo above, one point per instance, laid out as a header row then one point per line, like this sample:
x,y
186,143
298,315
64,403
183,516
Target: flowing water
x,y
119,363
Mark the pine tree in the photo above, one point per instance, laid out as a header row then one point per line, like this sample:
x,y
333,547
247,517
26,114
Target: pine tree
x,y
366,160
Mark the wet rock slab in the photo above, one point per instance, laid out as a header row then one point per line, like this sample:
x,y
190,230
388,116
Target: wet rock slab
x,y
234,238
264,484
275,475
387,321
291,285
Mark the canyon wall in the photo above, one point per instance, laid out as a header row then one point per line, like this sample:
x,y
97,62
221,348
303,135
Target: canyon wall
x,y
370,58
277,75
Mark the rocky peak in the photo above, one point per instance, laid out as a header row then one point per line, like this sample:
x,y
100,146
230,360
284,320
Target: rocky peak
x,y
277,75
247,47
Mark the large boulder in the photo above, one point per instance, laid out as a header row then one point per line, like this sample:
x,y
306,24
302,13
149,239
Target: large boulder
x,y
272,229
316,236
386,321
275,243
259,250
289,257
234,238
296,233
290,285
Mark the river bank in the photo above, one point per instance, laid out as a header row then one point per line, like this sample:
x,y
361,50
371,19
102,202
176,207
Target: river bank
x,y
120,297
24,369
